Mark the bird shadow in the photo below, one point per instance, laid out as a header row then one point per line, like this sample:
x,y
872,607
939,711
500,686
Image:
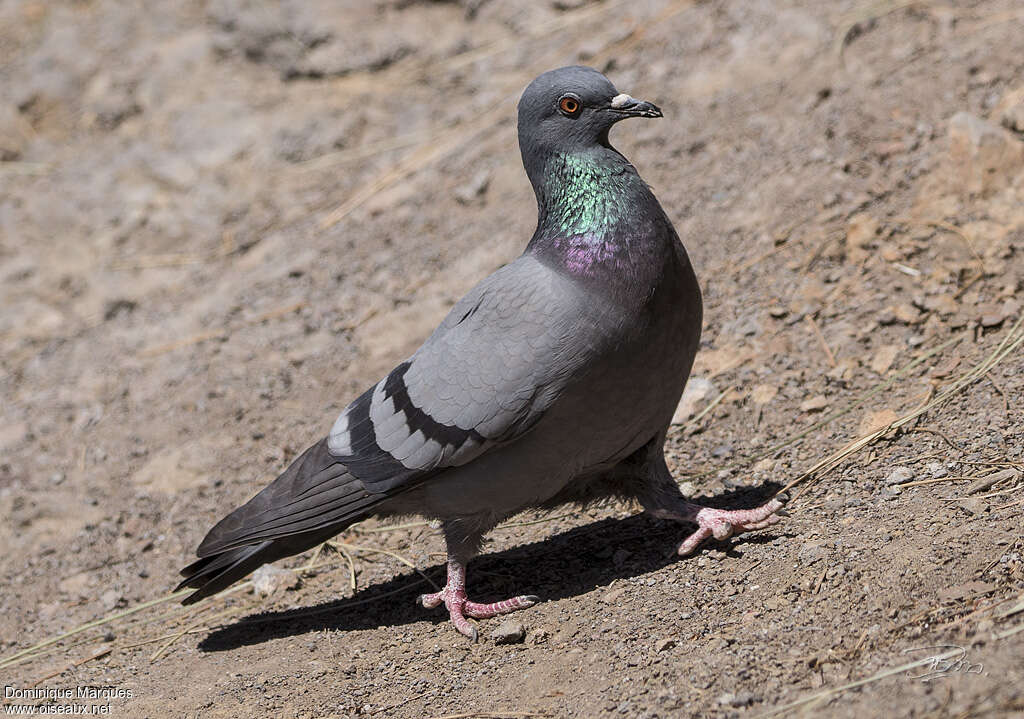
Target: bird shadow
x,y
564,565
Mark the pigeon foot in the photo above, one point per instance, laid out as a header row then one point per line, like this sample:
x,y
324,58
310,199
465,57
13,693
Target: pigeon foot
x,y
722,524
453,596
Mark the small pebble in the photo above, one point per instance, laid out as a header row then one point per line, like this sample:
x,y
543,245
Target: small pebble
x,y
509,632
899,475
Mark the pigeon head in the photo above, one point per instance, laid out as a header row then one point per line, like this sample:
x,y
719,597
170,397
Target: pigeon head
x,y
571,109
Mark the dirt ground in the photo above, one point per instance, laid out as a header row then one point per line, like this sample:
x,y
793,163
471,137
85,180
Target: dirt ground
x,y
221,220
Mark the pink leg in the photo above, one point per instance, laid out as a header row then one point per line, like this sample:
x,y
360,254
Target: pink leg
x,y
721,523
454,598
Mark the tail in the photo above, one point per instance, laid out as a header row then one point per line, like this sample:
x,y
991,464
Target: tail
x,y
314,499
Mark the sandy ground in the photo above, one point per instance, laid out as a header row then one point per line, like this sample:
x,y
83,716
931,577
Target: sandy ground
x,y
220,221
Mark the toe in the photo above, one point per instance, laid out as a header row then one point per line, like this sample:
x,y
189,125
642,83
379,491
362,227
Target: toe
x,y
722,530
429,601
691,543
486,611
465,627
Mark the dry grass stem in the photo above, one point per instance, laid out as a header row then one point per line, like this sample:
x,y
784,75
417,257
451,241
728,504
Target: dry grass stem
x,y
537,521
695,420
824,422
170,642
821,340
1013,339
1011,504
934,480
948,227
390,527
90,625
388,552
73,665
351,568
828,693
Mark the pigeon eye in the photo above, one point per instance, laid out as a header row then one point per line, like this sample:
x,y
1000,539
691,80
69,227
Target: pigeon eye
x,y
569,105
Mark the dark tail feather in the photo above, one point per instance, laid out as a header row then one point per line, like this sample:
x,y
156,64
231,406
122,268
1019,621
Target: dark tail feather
x,y
218,572
213,574
314,499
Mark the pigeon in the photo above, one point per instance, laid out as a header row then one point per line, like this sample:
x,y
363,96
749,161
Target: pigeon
x,y
553,381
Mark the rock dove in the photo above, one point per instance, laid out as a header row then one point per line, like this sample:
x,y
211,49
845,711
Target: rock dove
x,y
554,380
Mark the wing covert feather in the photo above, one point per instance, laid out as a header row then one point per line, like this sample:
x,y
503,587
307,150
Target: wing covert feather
x,y
485,376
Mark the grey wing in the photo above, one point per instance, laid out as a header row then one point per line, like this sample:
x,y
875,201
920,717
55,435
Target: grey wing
x,y
484,377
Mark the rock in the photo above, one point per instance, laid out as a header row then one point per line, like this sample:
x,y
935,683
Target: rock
x,y
764,393
1013,118
993,315
697,390
982,156
722,451
884,357
169,471
742,699
565,5
13,434
539,636
355,53
269,579
509,632
904,313
76,584
946,368
258,30
989,481
1010,110
612,596
475,188
663,644
892,254
111,599
861,231
118,306
973,506
109,101
15,134
937,469
899,475
874,421
945,305
814,404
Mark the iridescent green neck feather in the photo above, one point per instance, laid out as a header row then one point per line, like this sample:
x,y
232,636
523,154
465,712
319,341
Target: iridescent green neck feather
x,y
584,194
597,217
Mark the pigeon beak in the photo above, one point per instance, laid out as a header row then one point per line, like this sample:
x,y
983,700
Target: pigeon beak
x,y
628,106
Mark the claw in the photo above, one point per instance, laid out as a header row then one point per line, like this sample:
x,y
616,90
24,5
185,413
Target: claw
x,y
722,524
453,596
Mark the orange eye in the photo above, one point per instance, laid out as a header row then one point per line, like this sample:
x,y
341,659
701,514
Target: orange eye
x,y
569,105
